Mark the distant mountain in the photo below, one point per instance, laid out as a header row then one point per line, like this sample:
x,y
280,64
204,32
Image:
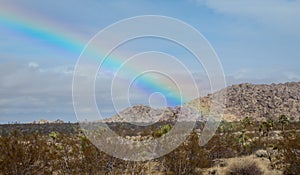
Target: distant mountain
x,y
256,101
43,121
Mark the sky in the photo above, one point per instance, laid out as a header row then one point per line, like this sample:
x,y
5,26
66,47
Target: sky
x,y
41,41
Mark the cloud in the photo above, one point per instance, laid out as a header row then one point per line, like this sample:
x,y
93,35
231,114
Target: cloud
x,y
28,92
280,13
281,75
33,65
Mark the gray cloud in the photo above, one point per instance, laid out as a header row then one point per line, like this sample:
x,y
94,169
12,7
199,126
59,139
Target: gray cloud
x,y
28,92
280,13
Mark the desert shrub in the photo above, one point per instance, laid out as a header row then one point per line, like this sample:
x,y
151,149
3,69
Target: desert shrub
x,y
187,158
243,167
60,153
22,154
162,130
225,146
54,135
290,153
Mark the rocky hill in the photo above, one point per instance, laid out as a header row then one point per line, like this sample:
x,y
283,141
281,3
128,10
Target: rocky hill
x,y
256,101
144,114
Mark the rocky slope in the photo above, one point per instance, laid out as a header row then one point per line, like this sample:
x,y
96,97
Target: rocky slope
x,y
144,114
259,101
256,101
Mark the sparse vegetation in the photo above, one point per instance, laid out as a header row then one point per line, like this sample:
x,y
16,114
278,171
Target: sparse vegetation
x,y
283,120
244,166
162,130
73,153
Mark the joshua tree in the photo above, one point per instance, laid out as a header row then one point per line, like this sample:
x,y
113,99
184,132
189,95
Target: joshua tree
x,y
246,122
243,138
226,127
270,123
265,127
283,119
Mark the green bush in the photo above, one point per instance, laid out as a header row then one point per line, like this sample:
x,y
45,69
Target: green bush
x,y
162,130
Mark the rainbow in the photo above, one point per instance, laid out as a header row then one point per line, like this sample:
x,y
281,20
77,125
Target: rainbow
x,y
24,24
34,27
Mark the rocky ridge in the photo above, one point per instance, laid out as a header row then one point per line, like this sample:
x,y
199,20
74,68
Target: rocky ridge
x,y
255,101
144,114
258,101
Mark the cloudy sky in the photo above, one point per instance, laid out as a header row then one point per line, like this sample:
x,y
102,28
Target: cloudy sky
x,y
40,42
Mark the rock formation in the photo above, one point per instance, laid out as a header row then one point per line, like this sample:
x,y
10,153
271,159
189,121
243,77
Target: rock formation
x,y
259,101
255,101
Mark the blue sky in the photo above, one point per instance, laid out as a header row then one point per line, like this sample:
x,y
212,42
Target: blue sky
x,y
256,41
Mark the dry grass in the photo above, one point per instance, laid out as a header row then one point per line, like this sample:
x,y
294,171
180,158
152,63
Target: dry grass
x,y
244,166
249,165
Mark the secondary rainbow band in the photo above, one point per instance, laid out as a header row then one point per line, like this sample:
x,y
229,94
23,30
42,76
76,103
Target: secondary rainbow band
x,y
59,39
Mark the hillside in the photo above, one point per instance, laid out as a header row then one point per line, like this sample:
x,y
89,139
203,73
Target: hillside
x,y
259,101
256,101
144,114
